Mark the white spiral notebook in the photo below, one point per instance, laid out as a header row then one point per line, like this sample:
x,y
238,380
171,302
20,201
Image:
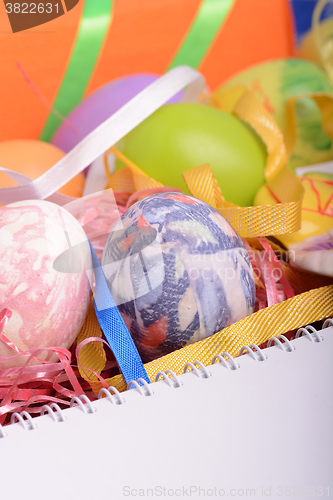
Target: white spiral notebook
x,y
257,426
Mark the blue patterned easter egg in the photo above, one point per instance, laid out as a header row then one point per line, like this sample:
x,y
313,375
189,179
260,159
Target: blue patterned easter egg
x,y
178,272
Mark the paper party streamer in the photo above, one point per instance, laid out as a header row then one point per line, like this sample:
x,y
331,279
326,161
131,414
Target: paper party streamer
x,y
210,17
95,21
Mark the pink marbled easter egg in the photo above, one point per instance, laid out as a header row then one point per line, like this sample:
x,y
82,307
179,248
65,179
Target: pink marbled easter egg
x,y
49,302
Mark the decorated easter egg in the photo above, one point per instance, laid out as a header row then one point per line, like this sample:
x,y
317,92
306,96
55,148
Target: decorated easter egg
x,y
181,136
314,254
49,303
317,207
178,272
33,158
274,83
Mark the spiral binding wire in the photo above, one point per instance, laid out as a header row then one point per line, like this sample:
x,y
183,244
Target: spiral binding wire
x,y
168,377
285,346
327,323
176,381
202,373
26,423
2,432
310,332
57,415
144,389
115,399
87,407
249,349
232,365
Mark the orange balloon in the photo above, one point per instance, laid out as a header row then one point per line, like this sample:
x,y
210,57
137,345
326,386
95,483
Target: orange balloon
x,y
33,158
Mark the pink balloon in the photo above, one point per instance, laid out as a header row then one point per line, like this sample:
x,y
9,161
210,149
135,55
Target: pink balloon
x,y
99,106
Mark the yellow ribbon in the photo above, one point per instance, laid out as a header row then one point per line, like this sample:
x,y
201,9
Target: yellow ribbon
x,y
282,218
251,222
228,100
257,328
92,355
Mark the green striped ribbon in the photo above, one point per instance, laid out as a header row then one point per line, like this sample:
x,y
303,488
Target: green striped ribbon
x,y
95,20
209,19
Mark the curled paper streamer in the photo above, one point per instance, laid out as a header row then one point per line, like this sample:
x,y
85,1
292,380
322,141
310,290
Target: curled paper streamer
x,y
48,374
284,217
208,20
93,27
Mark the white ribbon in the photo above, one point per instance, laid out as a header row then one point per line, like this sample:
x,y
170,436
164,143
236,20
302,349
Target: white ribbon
x,y
104,136
96,179
24,180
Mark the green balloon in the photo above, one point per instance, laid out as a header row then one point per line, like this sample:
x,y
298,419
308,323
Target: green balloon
x,y
181,136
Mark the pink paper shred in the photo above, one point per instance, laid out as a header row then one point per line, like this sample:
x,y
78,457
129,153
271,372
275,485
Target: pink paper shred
x,y
268,269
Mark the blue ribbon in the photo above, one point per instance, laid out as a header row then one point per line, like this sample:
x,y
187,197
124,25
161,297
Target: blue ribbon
x,y
114,327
